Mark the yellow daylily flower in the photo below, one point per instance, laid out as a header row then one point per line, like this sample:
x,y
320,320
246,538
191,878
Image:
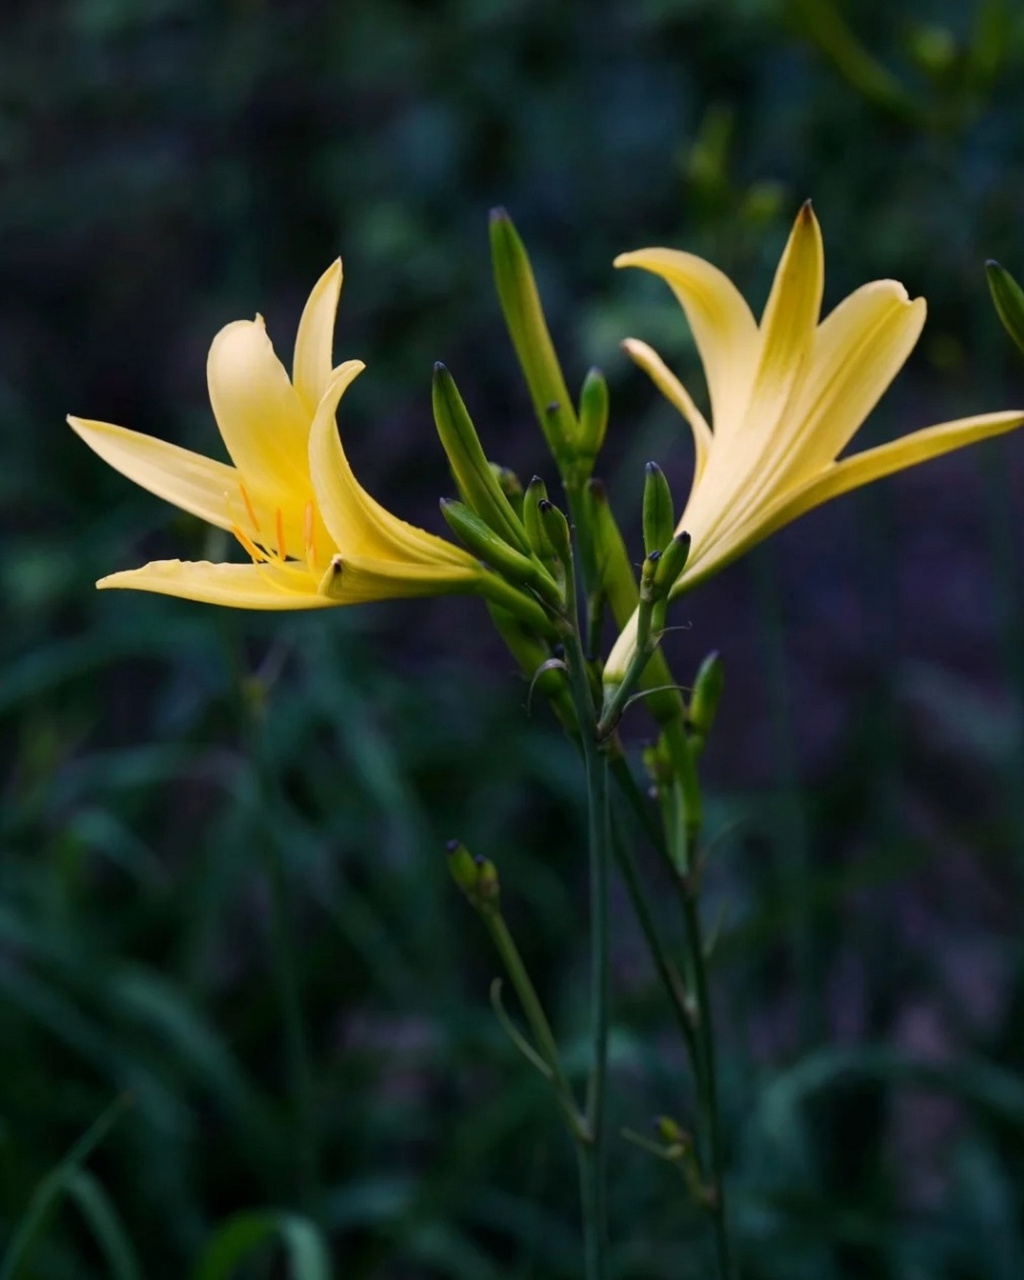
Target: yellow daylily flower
x,y
787,396
314,535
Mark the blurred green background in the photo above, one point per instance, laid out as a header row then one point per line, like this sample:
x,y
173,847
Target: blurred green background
x,y
173,165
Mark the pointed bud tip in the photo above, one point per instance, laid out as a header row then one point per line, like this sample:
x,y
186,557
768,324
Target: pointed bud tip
x,y
499,214
806,210
990,263
652,468
597,489
439,368
452,845
544,504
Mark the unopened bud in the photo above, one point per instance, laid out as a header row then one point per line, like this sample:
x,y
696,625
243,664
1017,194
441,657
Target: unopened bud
x,y
673,562
536,531
707,693
1008,298
556,527
475,476
593,419
658,515
479,538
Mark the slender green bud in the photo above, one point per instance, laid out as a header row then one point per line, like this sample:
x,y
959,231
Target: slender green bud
x,y
648,572
476,479
1009,300
614,567
534,659
476,877
593,419
510,485
673,562
524,316
658,511
536,493
479,538
462,866
556,527
707,693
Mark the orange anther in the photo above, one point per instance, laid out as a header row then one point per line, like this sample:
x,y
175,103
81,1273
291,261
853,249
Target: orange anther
x,y
279,519
248,544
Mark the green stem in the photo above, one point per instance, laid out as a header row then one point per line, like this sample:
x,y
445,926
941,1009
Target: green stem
x,y
688,829
593,1154
536,1017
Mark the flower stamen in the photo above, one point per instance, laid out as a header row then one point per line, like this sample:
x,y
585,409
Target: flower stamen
x,y
279,521
258,556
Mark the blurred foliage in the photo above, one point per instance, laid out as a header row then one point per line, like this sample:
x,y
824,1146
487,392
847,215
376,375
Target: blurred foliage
x,y
172,165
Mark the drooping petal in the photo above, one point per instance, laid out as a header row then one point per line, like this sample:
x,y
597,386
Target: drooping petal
x,y
202,486
858,350
723,328
240,586
676,394
314,342
839,478
358,580
360,527
874,464
788,324
264,423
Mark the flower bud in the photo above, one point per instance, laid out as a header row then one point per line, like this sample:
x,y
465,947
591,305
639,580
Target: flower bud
x,y
707,693
536,493
556,527
672,562
476,479
593,420
479,538
524,316
658,514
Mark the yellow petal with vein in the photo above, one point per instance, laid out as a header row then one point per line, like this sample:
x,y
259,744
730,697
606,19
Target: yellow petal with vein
x,y
240,586
858,350
200,485
723,328
788,324
359,525
314,342
261,417
676,394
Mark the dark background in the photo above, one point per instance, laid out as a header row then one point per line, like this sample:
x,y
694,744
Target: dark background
x,y
170,166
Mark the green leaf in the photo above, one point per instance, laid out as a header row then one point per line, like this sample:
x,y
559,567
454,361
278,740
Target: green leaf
x,y
249,1232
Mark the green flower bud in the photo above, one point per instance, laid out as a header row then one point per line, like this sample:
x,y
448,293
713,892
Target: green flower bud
x,y
479,538
1009,300
556,527
536,493
658,512
476,877
476,479
524,316
462,866
707,693
672,562
593,420
510,485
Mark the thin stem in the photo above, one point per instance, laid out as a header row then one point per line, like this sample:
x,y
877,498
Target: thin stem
x,y
536,1017
687,830
593,1154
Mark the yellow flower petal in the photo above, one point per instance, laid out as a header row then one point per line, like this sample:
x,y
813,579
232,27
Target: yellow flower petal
x,y
858,350
260,415
874,464
787,326
314,342
723,328
200,485
360,526
676,394
240,586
